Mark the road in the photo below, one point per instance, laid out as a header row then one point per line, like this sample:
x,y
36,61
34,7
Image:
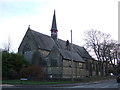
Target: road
x,y
102,84
99,85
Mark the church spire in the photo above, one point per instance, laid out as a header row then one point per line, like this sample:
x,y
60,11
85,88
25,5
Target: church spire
x,y
54,27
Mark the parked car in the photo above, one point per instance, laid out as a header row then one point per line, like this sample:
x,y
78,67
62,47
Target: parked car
x,y
118,78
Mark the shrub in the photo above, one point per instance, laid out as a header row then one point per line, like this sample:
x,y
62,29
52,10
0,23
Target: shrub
x,y
12,64
32,71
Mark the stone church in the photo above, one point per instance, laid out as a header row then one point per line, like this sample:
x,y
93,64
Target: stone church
x,y
56,57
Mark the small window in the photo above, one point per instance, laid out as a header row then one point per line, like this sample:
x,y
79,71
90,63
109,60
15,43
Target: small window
x,y
42,63
54,63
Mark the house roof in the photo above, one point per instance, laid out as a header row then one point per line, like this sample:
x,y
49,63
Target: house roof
x,y
82,51
45,42
71,55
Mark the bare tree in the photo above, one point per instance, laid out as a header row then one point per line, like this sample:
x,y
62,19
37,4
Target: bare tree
x,y
106,50
94,40
97,42
109,54
115,56
7,45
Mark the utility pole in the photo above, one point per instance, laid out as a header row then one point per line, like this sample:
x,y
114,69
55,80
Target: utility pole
x,y
72,58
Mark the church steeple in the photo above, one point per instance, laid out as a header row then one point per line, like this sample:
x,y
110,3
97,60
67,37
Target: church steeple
x,y
54,27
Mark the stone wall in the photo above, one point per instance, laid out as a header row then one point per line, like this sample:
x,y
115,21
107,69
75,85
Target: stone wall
x,y
78,69
27,46
44,52
93,67
55,63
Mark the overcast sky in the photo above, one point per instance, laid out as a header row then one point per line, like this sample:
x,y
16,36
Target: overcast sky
x,y
78,15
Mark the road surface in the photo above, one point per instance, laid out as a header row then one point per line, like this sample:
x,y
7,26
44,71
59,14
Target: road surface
x,y
99,85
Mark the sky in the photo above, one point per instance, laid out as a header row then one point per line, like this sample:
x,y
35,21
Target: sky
x,y
76,15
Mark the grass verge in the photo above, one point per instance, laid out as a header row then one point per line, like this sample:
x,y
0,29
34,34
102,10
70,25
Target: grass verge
x,y
35,82
91,79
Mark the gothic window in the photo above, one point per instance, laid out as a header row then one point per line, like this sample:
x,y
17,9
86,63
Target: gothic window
x,y
27,52
27,48
70,63
28,55
87,65
81,65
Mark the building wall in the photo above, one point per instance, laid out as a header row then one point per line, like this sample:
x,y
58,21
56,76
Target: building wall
x,y
78,69
27,46
44,52
95,68
55,63
92,67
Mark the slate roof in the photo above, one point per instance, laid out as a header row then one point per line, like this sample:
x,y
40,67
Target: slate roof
x,y
68,55
82,52
45,42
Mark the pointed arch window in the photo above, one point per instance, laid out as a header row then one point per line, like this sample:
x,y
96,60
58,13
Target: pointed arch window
x,y
27,48
27,52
